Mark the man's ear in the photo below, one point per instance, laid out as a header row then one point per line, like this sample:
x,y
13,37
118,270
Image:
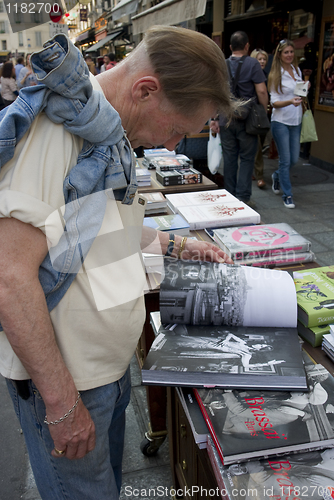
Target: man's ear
x,y
145,87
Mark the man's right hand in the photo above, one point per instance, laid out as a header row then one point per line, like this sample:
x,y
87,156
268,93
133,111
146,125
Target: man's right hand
x,y
75,435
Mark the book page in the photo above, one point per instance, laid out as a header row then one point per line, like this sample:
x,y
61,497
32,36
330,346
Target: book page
x,y
204,293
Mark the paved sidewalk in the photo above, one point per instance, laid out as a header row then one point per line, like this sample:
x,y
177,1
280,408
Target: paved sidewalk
x,y
313,217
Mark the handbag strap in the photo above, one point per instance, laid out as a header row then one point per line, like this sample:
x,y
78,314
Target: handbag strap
x,y
234,81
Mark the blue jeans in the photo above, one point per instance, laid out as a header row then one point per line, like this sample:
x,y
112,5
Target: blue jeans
x,y
99,474
236,142
287,139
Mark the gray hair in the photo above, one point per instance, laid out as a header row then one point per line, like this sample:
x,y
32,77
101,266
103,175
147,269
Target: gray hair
x,y
191,69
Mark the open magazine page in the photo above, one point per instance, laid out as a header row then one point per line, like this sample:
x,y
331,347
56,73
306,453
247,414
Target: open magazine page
x,y
204,293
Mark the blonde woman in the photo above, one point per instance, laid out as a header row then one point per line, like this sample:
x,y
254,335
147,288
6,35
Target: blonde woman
x,y
286,116
262,57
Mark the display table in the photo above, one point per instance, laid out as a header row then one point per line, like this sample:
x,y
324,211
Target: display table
x,y
156,395
191,466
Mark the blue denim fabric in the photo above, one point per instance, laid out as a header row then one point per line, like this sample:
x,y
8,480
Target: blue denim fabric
x,y
99,474
237,143
105,165
287,139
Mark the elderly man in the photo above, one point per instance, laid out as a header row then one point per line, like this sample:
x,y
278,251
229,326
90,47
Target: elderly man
x,y
68,196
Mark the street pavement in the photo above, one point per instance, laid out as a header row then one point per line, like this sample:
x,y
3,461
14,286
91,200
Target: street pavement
x,y
313,217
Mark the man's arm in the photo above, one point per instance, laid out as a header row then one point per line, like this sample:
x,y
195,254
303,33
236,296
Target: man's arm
x,y
27,325
262,94
156,242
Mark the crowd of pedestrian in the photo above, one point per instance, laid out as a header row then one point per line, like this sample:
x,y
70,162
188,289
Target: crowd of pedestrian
x,y
250,81
15,77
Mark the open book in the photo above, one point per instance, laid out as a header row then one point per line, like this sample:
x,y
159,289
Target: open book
x,y
206,293
226,326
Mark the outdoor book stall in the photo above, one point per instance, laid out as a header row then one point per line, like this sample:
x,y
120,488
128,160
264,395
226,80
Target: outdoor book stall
x,y
193,465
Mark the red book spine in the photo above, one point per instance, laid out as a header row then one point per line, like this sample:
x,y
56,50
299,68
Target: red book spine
x,y
209,424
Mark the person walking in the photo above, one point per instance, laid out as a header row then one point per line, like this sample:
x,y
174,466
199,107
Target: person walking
x,y
9,91
18,66
71,236
91,65
262,57
246,72
286,116
112,61
26,76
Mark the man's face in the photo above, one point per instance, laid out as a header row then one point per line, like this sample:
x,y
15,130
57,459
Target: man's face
x,y
161,126
106,60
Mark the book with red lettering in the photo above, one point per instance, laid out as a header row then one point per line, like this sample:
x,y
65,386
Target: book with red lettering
x,y
257,424
289,477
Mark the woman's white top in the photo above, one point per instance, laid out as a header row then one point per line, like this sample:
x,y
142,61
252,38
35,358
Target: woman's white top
x,y
289,115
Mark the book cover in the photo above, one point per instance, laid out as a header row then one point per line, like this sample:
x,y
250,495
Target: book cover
x,y
156,199
229,357
312,335
258,424
203,293
177,200
158,152
179,176
166,163
143,173
172,223
255,242
194,415
315,295
232,213
289,477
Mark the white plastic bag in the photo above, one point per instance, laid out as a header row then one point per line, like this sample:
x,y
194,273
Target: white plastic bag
x,y
214,153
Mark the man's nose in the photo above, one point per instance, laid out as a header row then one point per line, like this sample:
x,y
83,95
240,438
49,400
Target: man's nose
x,y
171,143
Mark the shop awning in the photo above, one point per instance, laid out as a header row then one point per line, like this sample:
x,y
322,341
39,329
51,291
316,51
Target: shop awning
x,y
104,41
124,8
85,35
4,53
168,12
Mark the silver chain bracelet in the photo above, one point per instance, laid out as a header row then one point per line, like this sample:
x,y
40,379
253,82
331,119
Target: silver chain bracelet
x,y
55,422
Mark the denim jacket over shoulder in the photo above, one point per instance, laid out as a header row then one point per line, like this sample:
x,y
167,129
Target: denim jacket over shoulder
x,y
105,168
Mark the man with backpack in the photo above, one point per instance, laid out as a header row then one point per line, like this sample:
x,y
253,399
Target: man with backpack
x,y
247,81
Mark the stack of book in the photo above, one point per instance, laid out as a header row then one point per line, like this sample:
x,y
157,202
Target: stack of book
x,y
216,208
265,245
155,203
149,153
315,299
178,176
143,177
328,342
